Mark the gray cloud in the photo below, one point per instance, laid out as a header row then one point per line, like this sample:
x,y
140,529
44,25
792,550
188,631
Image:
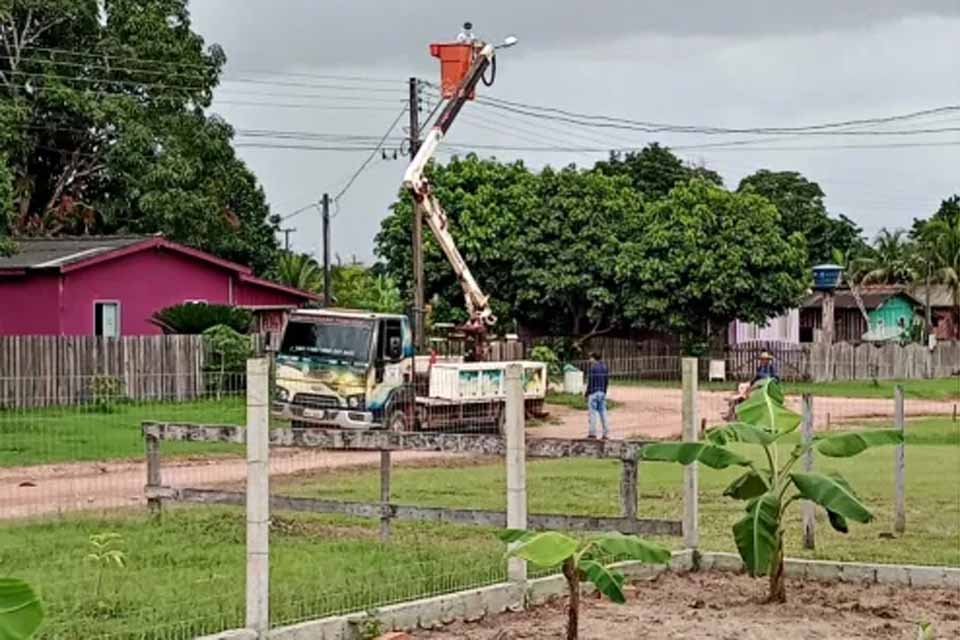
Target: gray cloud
x,y
726,64
357,32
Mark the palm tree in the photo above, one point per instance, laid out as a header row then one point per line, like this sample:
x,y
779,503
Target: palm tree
x,y
888,261
300,271
940,241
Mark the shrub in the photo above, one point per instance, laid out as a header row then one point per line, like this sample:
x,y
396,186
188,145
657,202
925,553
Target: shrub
x,y
106,393
227,352
543,353
195,318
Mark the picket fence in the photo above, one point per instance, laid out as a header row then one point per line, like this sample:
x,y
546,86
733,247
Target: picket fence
x,y
846,361
38,371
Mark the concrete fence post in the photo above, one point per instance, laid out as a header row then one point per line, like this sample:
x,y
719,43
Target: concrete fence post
x,y
628,493
809,509
154,481
516,464
691,531
899,463
385,510
258,496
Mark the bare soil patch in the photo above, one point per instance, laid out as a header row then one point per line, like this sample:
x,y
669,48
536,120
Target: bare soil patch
x,y
716,606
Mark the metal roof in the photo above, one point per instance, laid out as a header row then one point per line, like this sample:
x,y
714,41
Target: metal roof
x,y
872,297
42,253
940,295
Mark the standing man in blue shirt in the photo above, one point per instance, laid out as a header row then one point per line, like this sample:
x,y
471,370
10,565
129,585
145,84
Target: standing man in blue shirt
x,y
597,380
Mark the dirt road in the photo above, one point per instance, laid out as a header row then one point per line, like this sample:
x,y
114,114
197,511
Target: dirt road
x,y
644,411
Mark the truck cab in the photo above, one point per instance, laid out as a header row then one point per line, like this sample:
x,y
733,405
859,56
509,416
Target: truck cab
x,y
343,368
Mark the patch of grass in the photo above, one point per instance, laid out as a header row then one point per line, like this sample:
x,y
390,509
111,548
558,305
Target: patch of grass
x,y
80,433
185,571
575,400
933,389
590,487
188,566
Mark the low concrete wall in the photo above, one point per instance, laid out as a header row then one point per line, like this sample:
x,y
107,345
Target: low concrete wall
x,y
475,604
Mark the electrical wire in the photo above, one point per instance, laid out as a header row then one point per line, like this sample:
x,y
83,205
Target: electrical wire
x,y
187,65
658,127
370,158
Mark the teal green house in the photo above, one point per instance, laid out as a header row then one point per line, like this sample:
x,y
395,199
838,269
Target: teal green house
x,y
892,318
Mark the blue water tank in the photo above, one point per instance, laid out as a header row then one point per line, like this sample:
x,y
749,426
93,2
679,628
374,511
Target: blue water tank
x,y
826,277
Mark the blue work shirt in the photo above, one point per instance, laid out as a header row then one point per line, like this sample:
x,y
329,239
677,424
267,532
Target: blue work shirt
x,y
597,378
767,371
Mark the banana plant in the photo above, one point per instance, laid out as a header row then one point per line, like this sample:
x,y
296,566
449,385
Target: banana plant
x,y
20,610
770,488
583,561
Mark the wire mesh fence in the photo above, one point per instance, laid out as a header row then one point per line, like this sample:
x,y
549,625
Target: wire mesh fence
x,y
72,476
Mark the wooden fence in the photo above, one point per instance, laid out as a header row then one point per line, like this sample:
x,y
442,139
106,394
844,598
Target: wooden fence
x,y
846,361
54,370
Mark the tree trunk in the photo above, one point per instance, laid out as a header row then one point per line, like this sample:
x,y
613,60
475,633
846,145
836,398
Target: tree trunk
x,y
573,605
778,592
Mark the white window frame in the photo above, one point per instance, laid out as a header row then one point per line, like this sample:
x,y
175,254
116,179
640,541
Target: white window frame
x,y
197,301
119,316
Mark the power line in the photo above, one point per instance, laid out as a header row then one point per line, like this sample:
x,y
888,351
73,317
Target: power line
x,y
658,127
372,155
704,131
174,86
292,214
188,65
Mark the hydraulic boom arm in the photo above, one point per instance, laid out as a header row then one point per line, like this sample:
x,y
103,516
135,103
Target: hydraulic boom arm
x,y
478,306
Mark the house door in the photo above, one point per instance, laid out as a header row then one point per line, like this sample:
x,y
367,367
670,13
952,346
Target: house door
x,y
106,319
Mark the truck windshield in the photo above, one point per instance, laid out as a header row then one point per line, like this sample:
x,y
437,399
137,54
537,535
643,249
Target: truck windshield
x,y
330,339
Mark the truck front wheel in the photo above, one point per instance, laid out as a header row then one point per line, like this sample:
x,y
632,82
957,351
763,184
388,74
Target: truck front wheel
x,y
396,421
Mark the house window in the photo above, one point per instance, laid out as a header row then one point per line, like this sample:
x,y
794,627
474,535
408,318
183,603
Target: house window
x,y
194,302
106,319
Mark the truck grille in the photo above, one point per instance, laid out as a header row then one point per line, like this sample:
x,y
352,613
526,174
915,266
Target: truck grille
x,y
315,400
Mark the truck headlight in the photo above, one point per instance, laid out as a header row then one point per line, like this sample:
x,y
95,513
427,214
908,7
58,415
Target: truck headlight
x,y
283,395
355,402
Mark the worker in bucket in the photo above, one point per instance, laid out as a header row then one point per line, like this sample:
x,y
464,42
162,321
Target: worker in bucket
x,y
598,378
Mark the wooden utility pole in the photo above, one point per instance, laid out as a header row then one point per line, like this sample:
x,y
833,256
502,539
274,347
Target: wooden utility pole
x,y
286,237
418,295
326,249
827,317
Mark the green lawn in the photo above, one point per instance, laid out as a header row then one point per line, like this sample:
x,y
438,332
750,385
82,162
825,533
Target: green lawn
x,y
935,389
79,433
185,572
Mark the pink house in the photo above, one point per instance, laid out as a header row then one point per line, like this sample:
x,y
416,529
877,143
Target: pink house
x,y
112,285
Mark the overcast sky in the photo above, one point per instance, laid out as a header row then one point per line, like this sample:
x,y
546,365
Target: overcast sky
x,y
731,64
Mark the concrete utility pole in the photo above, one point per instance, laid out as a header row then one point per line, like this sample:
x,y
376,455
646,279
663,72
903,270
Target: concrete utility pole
x,y
418,295
326,249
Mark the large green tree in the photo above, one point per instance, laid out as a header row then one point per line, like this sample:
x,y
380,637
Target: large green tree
x,y
105,128
566,271
801,207
654,170
487,204
702,257
358,287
